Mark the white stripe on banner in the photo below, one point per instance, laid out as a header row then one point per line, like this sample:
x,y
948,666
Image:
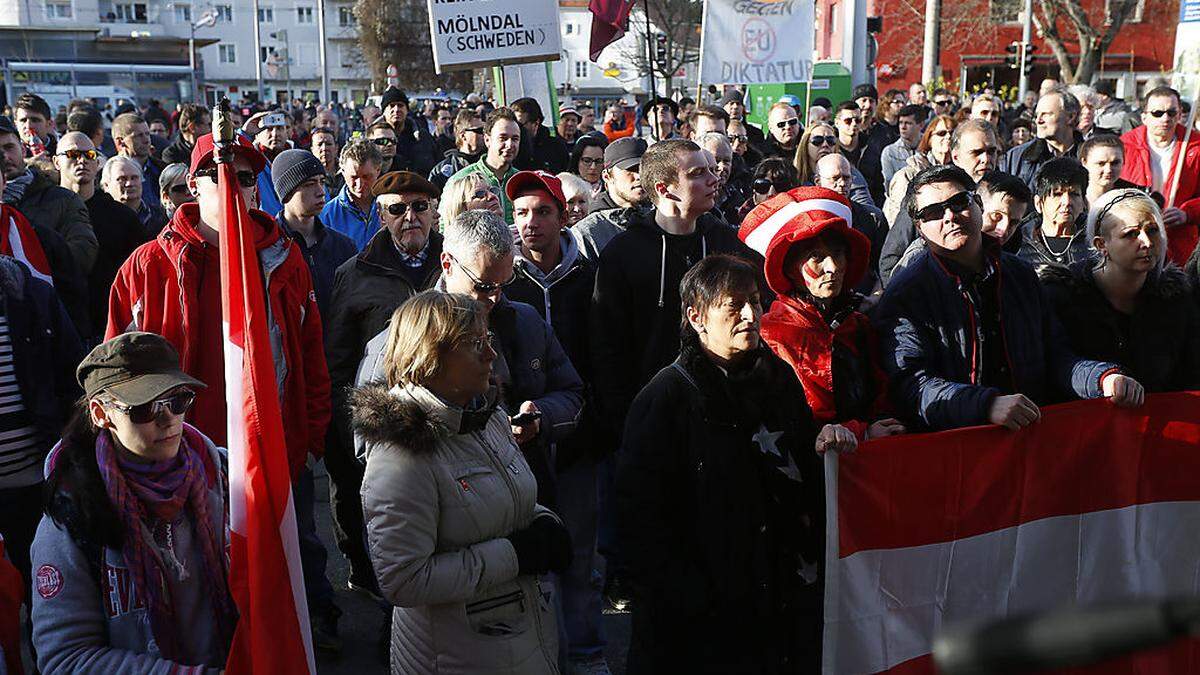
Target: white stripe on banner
x,y
235,428
884,606
18,251
762,235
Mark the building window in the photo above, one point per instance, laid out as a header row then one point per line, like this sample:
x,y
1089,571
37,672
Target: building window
x,y
58,10
304,15
568,28
227,53
183,13
1005,11
1134,17
581,70
266,15
346,16
225,13
347,56
134,12
266,54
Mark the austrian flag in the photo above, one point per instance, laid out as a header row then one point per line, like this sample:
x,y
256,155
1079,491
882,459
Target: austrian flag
x,y
1093,504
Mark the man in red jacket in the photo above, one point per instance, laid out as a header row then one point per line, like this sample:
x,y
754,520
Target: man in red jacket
x,y
1151,159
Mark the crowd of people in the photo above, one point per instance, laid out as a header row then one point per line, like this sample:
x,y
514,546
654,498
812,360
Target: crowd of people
x,y
553,369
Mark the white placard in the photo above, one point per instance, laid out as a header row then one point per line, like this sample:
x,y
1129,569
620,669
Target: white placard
x,y
756,41
472,33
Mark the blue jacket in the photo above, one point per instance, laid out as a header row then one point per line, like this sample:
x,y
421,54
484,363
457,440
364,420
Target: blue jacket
x,y
323,258
928,339
341,215
267,200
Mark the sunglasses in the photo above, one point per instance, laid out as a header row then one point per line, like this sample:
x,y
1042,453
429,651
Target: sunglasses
x,y
736,138
958,204
1170,112
178,404
474,130
400,208
179,189
383,140
480,286
944,101
76,155
244,178
763,185
942,132
787,123
822,140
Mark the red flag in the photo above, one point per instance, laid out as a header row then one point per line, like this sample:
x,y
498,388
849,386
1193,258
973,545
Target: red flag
x,y
609,20
17,239
1090,505
265,579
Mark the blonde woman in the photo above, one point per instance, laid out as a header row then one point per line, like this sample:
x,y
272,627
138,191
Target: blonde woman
x,y
455,536
579,196
1127,305
467,193
819,140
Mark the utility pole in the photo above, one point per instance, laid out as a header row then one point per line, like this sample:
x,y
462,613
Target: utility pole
x,y
1026,39
931,66
324,62
854,41
258,75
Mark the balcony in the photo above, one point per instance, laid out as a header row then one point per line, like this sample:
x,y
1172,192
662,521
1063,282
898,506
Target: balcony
x,y
135,15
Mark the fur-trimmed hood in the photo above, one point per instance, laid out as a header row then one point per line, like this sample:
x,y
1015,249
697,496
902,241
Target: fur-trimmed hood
x,y
412,418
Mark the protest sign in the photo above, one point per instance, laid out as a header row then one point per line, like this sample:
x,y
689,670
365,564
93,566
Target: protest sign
x,y
470,33
756,41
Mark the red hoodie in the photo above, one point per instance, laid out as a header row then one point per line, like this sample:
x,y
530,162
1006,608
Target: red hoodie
x,y
171,286
1181,240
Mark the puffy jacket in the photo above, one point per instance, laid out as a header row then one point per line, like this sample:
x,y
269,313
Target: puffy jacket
x,y
157,290
1158,345
854,396
927,326
719,516
439,501
87,616
1024,160
46,204
1036,251
597,228
1181,240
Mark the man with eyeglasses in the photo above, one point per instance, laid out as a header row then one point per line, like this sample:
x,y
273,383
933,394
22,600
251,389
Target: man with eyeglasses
x,y
1056,117
352,211
856,146
621,196
661,114
1152,160
502,140
117,228
744,147
383,136
468,148
967,334
783,127
170,286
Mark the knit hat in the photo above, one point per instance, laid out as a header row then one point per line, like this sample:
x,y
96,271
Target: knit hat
x,y
392,95
865,91
795,216
291,168
731,96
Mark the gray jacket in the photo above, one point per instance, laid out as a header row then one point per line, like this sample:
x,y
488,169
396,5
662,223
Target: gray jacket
x,y
439,503
597,228
89,620
894,158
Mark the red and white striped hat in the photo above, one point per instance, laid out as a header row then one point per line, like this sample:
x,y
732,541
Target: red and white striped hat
x,y
796,215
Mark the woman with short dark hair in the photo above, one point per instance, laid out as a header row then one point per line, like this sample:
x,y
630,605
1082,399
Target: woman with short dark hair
x,y
719,495
587,160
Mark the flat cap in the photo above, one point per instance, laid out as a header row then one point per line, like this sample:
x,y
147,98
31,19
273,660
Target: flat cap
x,y
399,182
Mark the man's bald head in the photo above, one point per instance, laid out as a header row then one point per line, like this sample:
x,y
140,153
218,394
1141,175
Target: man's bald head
x,y
834,172
77,161
74,140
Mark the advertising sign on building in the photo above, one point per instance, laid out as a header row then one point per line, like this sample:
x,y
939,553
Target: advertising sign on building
x,y
756,41
471,33
1187,47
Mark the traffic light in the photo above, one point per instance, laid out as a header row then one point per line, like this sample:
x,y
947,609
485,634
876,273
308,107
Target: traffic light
x,y
660,47
1014,58
1027,58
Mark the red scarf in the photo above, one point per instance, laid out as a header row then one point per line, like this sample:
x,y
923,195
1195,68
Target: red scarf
x,y
17,239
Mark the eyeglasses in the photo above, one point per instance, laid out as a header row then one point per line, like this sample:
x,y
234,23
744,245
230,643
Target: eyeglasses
x,y
76,155
400,208
479,344
178,404
1170,112
822,140
383,141
246,179
763,185
591,161
787,123
958,204
179,189
480,286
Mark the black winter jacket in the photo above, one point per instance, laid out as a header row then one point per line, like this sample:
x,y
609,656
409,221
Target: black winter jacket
x,y
179,151
452,162
720,515
635,307
928,333
119,232
1024,160
1158,345
1036,251
543,152
416,150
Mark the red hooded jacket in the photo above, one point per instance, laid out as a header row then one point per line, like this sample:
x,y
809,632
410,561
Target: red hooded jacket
x,y
1181,240
158,289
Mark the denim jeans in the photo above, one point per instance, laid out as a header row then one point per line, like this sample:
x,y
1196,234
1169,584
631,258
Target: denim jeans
x,y
580,586
313,555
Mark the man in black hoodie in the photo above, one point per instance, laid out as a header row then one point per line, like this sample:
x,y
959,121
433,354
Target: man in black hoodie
x,y
468,148
540,151
416,150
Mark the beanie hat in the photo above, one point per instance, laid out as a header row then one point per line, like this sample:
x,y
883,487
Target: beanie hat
x,y
392,95
798,215
291,168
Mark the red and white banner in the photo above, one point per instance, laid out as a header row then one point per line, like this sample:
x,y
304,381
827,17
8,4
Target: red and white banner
x,y
265,578
1091,504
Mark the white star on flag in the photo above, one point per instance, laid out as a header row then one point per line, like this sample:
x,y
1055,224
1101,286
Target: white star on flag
x,y
766,445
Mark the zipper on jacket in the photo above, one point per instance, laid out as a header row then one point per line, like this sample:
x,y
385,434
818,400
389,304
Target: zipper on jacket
x,y
492,603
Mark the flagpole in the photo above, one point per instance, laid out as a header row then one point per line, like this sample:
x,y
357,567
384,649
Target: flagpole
x,y
1187,137
650,56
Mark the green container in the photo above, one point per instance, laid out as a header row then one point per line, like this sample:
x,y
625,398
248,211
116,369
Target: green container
x,y
830,79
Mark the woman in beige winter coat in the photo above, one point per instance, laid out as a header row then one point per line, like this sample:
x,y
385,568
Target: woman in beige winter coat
x,y
455,536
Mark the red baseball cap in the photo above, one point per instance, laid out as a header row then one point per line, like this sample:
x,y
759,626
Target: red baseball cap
x,y
538,180
203,152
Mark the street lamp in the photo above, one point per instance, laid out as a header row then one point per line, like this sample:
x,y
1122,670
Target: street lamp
x,y
206,20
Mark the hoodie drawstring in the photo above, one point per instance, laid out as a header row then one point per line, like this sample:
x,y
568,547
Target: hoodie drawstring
x,y
662,265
